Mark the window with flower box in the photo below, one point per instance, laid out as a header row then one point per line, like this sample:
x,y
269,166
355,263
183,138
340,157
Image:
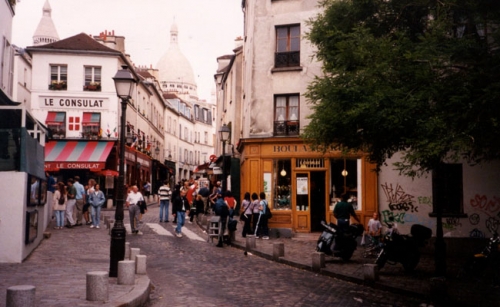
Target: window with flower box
x,y
286,114
92,79
91,126
58,77
56,124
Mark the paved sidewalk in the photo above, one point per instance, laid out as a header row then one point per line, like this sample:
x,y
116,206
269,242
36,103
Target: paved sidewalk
x,y
299,250
58,268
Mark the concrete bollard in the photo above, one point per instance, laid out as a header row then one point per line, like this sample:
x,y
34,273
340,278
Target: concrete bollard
x,y
318,261
140,264
21,296
97,286
250,243
126,272
134,252
370,272
127,250
278,250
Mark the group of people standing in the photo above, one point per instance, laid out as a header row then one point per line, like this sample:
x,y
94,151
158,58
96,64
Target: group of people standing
x,y
71,202
255,215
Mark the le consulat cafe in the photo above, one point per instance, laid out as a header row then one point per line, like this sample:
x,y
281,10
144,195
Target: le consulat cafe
x,y
302,186
83,139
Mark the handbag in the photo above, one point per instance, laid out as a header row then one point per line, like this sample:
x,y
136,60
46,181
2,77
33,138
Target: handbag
x,y
243,216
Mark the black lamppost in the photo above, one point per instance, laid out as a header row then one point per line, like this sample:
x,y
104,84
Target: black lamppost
x,y
224,136
123,83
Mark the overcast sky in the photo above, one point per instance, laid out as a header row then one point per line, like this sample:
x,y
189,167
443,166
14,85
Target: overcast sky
x,y
207,28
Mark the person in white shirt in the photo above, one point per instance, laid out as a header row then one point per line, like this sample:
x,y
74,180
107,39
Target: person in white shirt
x,y
133,208
374,228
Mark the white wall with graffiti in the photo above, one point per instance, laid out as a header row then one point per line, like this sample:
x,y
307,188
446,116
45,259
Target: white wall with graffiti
x,y
409,201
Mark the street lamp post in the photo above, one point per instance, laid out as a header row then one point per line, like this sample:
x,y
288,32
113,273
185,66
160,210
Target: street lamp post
x,y
224,136
123,84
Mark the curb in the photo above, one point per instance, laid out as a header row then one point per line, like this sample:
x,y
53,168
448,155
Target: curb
x,y
137,297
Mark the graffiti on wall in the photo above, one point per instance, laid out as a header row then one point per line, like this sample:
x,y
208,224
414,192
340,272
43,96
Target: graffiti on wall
x,y
452,223
490,207
398,199
474,219
476,233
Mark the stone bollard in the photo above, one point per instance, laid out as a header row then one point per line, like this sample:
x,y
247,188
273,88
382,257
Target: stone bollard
x,y
318,261
250,243
21,296
126,272
127,250
134,252
97,286
140,264
370,272
278,250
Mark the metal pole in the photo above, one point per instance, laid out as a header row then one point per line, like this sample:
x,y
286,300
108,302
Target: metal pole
x,y
224,166
118,232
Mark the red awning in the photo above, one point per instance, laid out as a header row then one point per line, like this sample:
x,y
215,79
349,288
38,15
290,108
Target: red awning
x,y
90,155
55,118
91,119
107,172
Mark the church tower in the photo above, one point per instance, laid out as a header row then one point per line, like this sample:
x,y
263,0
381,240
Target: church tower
x,y
46,32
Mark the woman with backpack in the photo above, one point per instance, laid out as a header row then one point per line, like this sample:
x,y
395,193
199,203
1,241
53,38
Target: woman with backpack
x,y
59,204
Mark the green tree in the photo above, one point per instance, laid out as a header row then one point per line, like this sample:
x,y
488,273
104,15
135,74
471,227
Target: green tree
x,y
411,76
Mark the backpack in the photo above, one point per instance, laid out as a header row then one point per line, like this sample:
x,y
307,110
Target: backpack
x,y
61,200
221,208
269,214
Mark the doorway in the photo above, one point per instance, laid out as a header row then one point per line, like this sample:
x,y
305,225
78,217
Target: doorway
x,y
317,200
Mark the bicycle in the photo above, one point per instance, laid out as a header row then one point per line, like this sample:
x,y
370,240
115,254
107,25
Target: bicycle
x,y
373,248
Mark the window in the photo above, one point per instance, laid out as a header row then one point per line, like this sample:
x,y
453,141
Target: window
x,y
58,77
92,79
206,137
56,123
91,125
287,46
7,67
286,115
74,123
447,187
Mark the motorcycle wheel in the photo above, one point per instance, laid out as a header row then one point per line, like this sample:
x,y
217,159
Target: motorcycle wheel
x,y
411,261
381,259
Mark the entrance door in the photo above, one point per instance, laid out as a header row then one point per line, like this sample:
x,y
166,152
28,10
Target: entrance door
x,y
317,199
310,201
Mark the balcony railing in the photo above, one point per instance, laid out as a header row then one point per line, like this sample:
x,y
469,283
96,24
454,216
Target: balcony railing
x,y
290,127
287,59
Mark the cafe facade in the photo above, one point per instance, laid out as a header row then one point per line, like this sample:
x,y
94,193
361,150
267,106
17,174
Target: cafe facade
x,y
302,186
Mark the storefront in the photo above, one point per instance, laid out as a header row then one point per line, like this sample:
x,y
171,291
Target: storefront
x,y
301,185
137,168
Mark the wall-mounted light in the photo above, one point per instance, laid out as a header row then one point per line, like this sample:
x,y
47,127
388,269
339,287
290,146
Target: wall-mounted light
x,y
344,173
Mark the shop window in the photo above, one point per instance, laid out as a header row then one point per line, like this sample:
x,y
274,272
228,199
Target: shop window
x,y
282,185
92,79
345,178
287,46
447,187
56,123
286,115
91,125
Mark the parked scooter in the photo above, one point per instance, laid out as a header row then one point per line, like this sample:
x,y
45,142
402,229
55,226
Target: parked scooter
x,y
403,249
477,264
337,243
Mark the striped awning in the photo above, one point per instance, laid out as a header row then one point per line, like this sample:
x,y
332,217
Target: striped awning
x,y
55,118
90,155
91,119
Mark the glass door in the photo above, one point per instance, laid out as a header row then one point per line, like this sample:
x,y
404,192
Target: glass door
x,y
301,209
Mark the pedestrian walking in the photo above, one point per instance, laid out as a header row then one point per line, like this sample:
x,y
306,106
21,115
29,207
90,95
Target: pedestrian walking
x,y
222,210
246,216
205,193
133,208
71,203
79,200
59,202
262,229
180,206
165,195
96,199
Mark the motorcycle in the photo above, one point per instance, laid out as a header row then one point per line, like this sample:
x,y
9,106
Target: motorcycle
x,y
345,241
404,249
477,265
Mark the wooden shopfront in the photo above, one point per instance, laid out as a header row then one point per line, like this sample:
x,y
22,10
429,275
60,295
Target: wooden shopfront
x,y
301,185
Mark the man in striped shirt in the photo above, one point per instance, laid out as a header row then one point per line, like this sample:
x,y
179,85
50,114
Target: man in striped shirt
x,y
165,194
